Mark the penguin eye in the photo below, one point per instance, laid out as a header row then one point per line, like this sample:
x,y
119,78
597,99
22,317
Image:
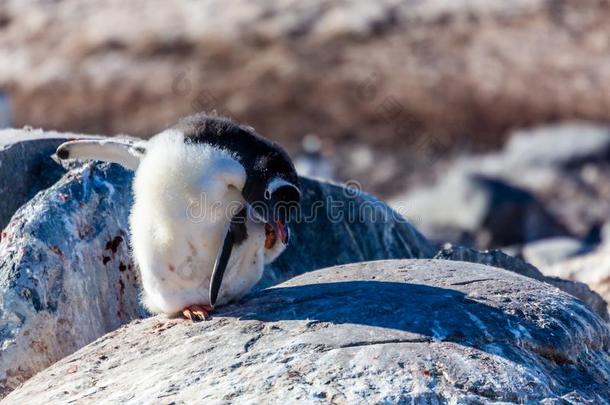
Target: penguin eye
x,y
277,163
267,194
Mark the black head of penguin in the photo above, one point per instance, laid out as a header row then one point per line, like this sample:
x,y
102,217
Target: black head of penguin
x,y
272,185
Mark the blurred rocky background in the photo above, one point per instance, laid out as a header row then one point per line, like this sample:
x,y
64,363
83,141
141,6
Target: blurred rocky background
x,y
385,86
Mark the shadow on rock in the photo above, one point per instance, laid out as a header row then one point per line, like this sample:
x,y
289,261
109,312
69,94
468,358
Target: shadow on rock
x,y
430,313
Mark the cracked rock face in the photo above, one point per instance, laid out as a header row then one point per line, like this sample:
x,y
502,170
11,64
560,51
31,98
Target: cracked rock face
x,y
66,275
380,332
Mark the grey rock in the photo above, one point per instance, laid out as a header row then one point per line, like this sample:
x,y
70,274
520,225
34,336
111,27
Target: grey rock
x,y
497,258
66,275
26,166
409,331
550,251
492,258
592,268
559,145
5,111
565,166
344,226
469,208
604,233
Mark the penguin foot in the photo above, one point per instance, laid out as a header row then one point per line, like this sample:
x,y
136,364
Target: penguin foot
x,y
197,313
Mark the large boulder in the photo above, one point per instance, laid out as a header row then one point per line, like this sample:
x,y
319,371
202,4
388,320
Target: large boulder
x,y
26,166
67,277
592,268
409,331
483,211
560,145
548,182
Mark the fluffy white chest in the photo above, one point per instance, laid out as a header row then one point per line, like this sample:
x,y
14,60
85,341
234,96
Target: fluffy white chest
x,y
185,197
176,273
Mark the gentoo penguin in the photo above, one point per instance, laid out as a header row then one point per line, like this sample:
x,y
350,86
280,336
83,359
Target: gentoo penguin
x,y
211,202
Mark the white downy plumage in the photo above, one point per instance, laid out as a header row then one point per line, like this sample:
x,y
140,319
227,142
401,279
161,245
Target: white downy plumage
x,y
185,196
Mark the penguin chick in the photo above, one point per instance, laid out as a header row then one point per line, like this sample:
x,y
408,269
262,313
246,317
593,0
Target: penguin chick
x,y
211,203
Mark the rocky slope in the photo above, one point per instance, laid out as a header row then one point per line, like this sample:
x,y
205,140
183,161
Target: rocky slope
x,y
390,332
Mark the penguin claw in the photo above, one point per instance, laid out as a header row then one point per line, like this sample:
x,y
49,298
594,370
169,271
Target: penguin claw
x,y
197,313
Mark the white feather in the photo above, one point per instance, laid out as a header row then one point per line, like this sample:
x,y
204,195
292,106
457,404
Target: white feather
x,y
185,196
116,150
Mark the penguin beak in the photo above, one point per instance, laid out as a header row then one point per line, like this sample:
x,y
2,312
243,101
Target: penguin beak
x,y
220,265
274,231
282,232
279,205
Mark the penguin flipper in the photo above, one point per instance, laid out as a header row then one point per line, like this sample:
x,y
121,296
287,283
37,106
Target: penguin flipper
x,y
125,152
221,265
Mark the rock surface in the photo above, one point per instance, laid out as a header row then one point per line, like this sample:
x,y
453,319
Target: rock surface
x,y
548,182
343,225
342,69
499,259
470,208
66,275
547,252
26,166
382,332
559,145
592,268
